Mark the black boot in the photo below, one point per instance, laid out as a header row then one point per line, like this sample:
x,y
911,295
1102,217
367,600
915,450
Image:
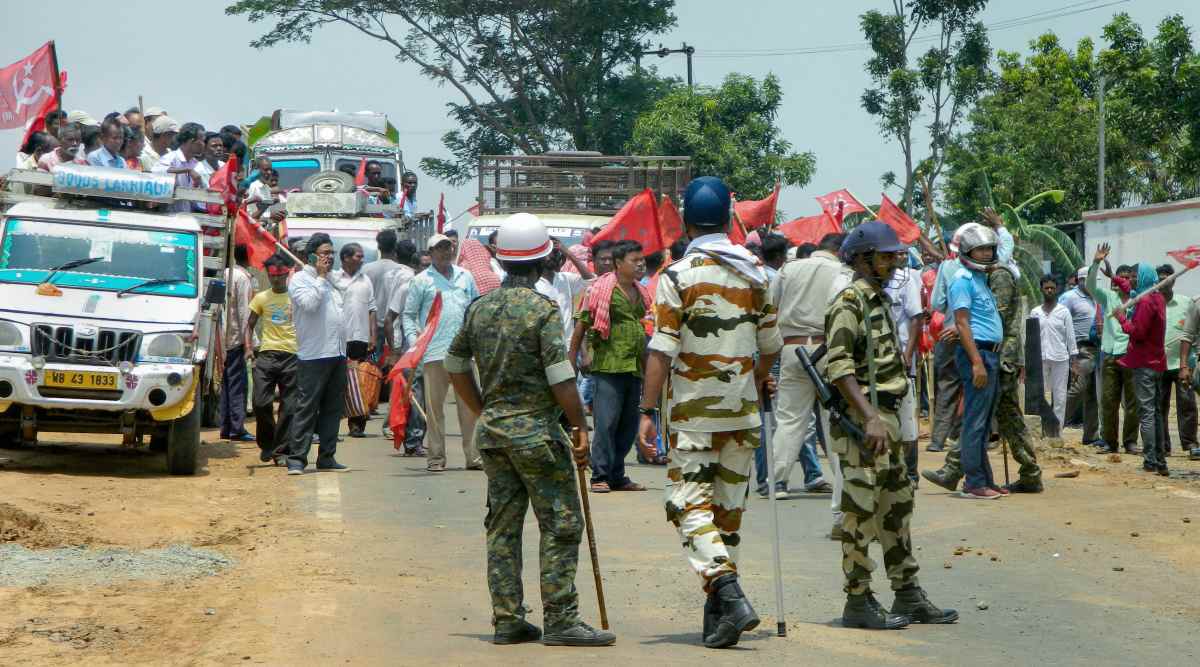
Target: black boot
x,y
1025,486
712,612
525,632
737,616
864,611
942,479
912,602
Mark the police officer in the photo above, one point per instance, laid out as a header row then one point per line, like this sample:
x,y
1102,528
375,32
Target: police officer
x,y
713,316
877,496
515,336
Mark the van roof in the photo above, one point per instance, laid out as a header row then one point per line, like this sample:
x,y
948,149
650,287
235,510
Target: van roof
x,y
116,216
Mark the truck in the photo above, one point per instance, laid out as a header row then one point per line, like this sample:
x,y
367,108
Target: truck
x,y
108,305
312,151
573,192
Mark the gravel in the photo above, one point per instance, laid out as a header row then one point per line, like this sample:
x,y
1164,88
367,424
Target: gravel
x,y
75,566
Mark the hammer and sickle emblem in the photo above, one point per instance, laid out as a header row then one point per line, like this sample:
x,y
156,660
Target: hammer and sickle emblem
x,y
21,94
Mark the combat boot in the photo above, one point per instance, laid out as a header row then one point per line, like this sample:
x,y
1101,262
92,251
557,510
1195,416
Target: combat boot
x,y
864,611
578,634
525,632
737,616
1025,486
712,612
912,602
942,479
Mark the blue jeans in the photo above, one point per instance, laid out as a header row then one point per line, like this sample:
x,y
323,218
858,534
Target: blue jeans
x,y
615,415
978,405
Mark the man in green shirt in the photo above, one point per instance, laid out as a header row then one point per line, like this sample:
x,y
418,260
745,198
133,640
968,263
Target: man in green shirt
x,y
1178,307
618,340
1116,381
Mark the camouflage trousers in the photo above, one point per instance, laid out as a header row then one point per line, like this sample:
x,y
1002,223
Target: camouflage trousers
x,y
1011,425
542,476
877,502
709,475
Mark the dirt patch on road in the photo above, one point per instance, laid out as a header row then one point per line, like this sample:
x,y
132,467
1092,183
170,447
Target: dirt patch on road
x,y
17,525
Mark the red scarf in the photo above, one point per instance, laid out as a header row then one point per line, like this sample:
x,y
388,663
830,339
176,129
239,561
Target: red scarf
x,y
475,258
598,300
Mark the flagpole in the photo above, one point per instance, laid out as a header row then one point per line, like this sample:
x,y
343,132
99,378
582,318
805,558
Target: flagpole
x,y
57,79
860,203
738,218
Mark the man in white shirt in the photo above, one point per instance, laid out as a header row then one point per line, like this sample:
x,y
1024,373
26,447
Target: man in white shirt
x,y
563,287
397,282
214,154
182,161
321,371
358,309
160,134
1058,345
904,291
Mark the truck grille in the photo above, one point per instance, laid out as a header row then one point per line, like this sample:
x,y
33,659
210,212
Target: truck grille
x,y
105,347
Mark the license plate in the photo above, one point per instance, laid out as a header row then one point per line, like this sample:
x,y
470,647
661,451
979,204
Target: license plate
x,y
79,380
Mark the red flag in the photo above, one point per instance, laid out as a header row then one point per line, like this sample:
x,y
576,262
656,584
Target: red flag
x,y
811,229
840,203
670,224
759,212
258,241
24,87
1189,256
636,221
906,228
38,124
737,235
360,178
400,397
474,210
224,181
441,214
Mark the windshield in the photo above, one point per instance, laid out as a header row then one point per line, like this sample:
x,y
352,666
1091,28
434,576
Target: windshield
x,y
568,235
388,167
30,249
292,172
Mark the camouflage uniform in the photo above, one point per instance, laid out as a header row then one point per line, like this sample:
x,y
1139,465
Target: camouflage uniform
x,y
515,336
877,496
1009,420
712,320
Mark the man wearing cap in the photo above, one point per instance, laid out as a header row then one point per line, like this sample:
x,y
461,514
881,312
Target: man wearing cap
x,y
515,337
716,337
457,289
865,363
161,135
1078,300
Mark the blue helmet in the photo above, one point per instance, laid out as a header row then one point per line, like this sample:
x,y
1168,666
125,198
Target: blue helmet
x,y
871,236
706,202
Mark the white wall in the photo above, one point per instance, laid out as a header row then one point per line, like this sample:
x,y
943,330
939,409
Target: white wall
x,y
1147,238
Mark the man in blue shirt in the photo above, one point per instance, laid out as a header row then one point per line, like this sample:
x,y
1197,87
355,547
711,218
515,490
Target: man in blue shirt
x,y
978,358
112,136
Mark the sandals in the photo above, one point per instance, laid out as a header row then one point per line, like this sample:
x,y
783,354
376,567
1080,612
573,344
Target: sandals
x,y
600,487
629,485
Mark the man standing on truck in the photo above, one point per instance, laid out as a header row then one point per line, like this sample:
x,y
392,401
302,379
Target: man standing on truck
x,y
238,347
321,349
274,360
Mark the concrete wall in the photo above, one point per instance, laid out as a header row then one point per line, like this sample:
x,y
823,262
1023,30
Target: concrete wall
x,y
1146,238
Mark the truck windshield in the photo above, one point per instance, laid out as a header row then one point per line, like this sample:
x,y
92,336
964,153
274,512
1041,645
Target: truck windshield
x,y
292,172
388,166
31,249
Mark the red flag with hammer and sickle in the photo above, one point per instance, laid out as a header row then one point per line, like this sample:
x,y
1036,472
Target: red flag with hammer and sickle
x,y
25,86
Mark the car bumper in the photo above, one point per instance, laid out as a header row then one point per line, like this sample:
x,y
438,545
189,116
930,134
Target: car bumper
x,y
154,387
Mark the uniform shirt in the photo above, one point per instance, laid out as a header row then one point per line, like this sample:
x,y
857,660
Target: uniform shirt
x,y
176,160
274,310
1177,314
1057,332
458,291
317,314
941,284
237,301
515,337
102,158
358,302
846,333
622,351
712,321
1083,312
1002,283
969,291
1113,340
802,292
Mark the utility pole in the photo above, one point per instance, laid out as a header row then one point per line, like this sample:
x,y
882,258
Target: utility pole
x,y
663,52
1100,142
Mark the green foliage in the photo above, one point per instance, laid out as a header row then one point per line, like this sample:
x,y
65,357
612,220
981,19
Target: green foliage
x,y
532,75
729,131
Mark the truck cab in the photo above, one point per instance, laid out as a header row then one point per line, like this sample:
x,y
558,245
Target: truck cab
x,y
106,312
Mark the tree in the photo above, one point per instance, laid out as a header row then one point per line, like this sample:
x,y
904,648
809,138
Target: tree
x,y
533,75
945,81
729,131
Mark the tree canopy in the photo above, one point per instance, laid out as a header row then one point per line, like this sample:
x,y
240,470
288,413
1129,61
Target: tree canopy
x,y
730,131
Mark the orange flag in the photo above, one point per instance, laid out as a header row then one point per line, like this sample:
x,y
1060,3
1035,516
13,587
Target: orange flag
x,y
670,223
758,212
401,396
259,242
636,221
895,217
840,203
360,178
811,229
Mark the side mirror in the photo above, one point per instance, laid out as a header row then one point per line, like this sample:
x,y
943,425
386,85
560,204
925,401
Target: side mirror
x,y
215,294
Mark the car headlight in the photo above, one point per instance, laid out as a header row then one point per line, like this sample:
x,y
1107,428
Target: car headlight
x,y
11,335
165,345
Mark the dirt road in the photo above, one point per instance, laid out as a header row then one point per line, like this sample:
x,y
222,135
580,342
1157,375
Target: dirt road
x,y
384,565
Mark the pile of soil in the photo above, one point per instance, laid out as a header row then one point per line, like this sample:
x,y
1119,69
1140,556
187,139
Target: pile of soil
x,y
21,527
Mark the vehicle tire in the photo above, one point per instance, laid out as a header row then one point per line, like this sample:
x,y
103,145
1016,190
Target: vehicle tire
x,y
328,181
211,417
158,439
183,440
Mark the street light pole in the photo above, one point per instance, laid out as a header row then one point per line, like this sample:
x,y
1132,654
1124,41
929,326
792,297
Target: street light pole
x,y
1100,129
663,52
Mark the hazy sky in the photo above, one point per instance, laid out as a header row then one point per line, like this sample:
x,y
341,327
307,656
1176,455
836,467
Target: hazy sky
x,y
112,56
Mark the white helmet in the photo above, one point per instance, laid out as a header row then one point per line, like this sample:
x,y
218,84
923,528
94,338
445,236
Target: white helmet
x,y
522,238
976,236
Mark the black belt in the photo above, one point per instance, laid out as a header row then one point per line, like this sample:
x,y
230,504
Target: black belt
x,y
987,346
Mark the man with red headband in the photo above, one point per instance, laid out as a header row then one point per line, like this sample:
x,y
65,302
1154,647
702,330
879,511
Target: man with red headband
x,y
274,360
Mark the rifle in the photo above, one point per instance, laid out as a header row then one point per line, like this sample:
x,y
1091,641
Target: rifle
x,y
830,399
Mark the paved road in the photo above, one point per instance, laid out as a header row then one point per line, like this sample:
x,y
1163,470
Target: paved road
x,y
409,546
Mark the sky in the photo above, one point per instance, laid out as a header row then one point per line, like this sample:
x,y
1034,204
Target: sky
x,y
203,69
